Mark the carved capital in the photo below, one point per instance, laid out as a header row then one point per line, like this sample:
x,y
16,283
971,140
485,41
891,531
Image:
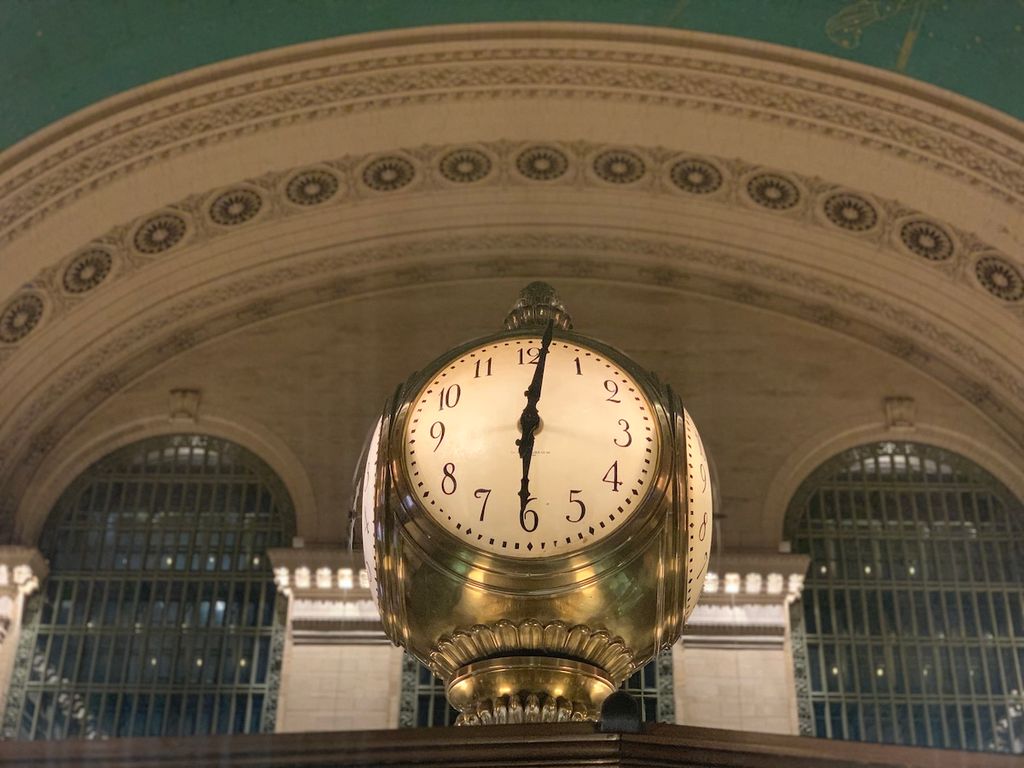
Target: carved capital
x,y
22,569
754,578
329,594
320,574
745,601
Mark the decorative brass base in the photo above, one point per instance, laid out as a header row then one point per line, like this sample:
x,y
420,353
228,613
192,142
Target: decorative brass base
x,y
528,689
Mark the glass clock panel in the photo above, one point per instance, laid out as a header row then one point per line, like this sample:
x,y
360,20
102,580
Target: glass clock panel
x,y
595,454
366,504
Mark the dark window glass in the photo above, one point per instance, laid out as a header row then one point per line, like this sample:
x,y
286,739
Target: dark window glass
x,y
149,583
913,603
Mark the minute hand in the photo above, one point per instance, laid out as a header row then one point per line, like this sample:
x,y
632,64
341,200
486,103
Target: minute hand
x,y
530,419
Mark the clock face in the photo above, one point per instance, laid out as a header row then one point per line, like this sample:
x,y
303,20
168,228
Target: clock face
x,y
595,453
366,502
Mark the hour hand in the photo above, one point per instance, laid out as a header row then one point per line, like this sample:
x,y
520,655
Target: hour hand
x,y
524,487
528,423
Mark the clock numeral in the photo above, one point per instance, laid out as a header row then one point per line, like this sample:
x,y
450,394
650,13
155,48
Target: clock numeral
x,y
613,388
704,477
529,355
448,488
583,507
449,397
629,437
579,370
486,494
522,517
703,530
613,480
703,568
486,367
437,432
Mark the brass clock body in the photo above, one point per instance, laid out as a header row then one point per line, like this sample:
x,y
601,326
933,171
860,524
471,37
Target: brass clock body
x,y
534,611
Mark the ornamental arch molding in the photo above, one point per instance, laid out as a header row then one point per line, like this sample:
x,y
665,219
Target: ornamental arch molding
x,y
158,221
78,452
835,441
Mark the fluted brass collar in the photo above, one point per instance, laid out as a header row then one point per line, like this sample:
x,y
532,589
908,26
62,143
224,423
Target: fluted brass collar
x,y
555,638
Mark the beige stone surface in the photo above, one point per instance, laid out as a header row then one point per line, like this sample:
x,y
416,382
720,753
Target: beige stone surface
x,y
785,329
339,688
760,386
745,690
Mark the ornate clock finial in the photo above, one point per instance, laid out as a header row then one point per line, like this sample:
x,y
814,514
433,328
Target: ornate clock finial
x,y
537,303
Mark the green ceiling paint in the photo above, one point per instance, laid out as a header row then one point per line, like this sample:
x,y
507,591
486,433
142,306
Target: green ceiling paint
x,y
57,56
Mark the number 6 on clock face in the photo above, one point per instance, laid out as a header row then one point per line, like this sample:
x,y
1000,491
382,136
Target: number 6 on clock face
x,y
595,453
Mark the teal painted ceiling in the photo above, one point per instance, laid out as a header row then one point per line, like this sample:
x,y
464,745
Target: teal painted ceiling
x,y
58,56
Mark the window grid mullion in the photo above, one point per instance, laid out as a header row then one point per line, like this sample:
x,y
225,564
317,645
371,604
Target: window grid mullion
x,y
957,644
107,529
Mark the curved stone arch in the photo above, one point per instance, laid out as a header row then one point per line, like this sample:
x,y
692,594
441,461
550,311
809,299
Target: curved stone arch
x,y
71,503
165,146
1002,462
163,123
282,289
380,57
820,303
331,271
78,453
899,540
821,210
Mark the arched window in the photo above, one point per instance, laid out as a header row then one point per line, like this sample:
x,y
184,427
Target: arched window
x,y
159,615
914,602
423,702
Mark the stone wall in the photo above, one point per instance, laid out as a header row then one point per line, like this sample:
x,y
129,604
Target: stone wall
x,y
339,688
733,668
739,688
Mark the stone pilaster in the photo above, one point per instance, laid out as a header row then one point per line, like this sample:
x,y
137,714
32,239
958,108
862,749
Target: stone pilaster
x,y
339,671
733,667
22,569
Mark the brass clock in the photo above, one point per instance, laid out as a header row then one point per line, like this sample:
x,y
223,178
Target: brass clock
x,y
536,518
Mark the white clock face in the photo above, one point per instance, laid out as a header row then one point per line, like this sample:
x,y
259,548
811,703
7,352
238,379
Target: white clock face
x,y
595,453
367,507
700,500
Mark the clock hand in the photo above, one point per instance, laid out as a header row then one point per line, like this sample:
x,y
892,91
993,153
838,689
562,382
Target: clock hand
x,y
530,419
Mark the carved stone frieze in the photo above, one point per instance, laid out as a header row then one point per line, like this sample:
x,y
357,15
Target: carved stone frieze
x,y
541,61
193,222
320,575
747,617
